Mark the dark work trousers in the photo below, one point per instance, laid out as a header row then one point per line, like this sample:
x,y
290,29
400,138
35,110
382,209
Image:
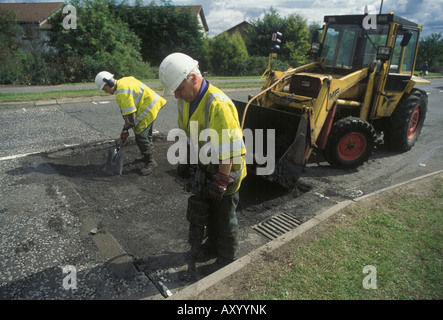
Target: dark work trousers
x,y
144,140
223,227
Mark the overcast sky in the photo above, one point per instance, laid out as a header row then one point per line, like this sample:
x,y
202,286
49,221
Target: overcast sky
x,y
224,14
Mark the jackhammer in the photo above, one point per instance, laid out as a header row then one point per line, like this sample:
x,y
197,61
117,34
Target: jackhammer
x,y
198,180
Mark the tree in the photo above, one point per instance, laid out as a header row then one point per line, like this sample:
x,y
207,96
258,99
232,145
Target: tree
x,y
11,69
226,53
101,41
258,38
297,40
430,49
163,29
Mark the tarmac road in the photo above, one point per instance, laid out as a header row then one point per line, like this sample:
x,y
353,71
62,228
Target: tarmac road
x,y
126,236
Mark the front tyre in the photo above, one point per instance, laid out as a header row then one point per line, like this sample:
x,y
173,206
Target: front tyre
x,y
351,142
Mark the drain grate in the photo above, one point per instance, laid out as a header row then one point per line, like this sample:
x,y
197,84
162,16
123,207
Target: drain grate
x,y
277,225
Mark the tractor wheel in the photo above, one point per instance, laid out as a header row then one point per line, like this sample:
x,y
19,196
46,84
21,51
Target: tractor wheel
x,y
351,142
404,126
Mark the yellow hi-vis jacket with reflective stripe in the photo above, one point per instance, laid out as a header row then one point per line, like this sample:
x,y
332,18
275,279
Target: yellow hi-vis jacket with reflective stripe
x,y
218,113
135,97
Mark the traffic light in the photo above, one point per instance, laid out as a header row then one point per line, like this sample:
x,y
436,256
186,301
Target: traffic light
x,y
276,41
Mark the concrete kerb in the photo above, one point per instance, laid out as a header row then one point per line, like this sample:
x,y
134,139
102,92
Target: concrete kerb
x,y
17,105
193,290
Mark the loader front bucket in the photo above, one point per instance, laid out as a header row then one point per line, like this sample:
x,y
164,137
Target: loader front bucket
x,y
286,131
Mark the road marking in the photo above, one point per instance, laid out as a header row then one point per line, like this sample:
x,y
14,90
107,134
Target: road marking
x,y
66,146
71,145
18,156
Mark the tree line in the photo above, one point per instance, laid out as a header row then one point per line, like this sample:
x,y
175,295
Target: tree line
x,y
133,40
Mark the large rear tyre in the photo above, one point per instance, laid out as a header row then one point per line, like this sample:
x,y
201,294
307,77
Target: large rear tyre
x,y
404,126
351,142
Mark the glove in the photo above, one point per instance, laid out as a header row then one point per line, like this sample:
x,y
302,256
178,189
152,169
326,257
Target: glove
x,y
217,188
124,135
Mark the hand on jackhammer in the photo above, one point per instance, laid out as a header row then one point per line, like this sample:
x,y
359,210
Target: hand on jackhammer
x,y
124,135
184,171
217,188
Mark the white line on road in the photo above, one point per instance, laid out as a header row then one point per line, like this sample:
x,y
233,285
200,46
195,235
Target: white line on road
x,y
67,146
16,156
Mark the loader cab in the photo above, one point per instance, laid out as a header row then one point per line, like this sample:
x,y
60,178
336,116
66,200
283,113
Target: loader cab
x,y
348,45
402,62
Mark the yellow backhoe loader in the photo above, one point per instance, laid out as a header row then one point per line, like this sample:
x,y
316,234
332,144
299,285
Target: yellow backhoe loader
x,y
358,92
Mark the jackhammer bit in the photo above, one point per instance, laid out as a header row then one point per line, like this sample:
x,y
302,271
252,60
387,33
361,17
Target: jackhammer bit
x,y
197,215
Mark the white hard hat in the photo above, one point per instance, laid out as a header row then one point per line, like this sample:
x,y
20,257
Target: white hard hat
x,y
174,69
99,79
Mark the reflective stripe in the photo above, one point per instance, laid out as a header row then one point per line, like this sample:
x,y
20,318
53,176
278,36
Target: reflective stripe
x,y
207,107
232,146
127,110
140,94
148,109
137,97
221,96
127,91
212,97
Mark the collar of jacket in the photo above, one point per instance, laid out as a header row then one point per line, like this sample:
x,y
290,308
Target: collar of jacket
x,y
194,104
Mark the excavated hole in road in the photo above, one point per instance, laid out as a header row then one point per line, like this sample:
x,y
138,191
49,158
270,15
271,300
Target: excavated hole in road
x,y
147,214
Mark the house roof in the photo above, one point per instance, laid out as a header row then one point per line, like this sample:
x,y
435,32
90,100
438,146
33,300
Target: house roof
x,y
33,12
198,11
239,27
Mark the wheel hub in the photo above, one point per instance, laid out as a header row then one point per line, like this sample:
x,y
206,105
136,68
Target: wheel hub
x,y
352,146
414,122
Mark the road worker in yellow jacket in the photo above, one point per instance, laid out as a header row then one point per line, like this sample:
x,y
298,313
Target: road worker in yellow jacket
x,y
139,106
213,117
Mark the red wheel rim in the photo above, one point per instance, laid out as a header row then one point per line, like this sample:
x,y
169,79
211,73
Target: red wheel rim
x,y
351,146
414,122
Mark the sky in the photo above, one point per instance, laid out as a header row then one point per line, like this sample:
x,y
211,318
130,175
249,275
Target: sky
x,y
222,15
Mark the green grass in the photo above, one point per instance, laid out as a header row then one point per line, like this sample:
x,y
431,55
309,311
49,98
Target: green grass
x,y
50,95
23,97
402,236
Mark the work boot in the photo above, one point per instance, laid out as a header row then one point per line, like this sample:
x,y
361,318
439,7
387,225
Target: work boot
x,y
207,251
207,269
150,164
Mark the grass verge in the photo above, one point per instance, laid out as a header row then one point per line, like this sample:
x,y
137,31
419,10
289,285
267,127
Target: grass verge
x,y
51,95
399,233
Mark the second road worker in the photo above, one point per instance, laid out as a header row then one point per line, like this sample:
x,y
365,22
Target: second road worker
x,y
139,106
203,106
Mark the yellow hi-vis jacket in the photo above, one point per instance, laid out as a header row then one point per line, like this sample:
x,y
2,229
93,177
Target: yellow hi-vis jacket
x,y
135,97
218,113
